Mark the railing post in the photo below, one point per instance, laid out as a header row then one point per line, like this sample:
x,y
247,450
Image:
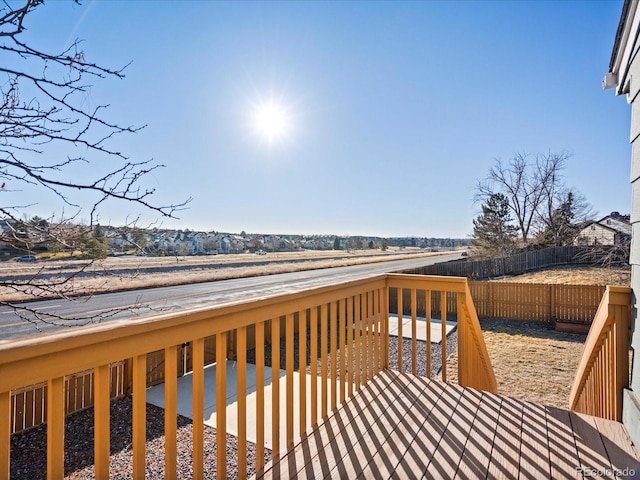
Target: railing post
x,y
275,387
139,434
260,340
462,339
221,404
5,434
55,428
289,378
385,326
241,362
101,401
198,407
170,411
621,352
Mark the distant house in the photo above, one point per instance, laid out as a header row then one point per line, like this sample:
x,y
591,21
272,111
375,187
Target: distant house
x,y
614,229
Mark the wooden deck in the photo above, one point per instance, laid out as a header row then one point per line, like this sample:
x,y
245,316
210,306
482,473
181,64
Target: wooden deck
x,y
402,426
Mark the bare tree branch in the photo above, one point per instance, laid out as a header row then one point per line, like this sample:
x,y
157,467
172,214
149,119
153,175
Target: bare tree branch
x,y
47,130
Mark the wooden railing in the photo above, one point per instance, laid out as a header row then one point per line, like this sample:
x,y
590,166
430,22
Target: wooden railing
x,y
346,327
434,295
603,371
532,302
574,304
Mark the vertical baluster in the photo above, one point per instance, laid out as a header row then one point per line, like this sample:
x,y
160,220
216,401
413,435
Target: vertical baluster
x,y
443,324
606,386
414,333
260,394
370,334
343,349
313,345
5,434
275,387
365,337
139,415
427,309
221,405
333,331
289,373
170,411
357,317
400,308
376,330
241,363
350,346
101,400
385,327
55,428
197,394
302,370
323,357
611,378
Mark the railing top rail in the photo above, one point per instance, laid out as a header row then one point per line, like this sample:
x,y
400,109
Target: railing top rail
x,y
428,282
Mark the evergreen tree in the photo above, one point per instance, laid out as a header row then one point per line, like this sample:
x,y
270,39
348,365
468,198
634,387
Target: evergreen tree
x,y
98,233
493,232
561,229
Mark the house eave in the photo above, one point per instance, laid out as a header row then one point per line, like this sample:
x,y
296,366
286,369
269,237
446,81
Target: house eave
x,y
623,47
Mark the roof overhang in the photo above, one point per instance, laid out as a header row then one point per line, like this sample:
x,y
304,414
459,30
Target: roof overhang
x,y
626,39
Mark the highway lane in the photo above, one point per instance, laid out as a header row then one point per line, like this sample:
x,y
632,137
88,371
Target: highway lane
x,y
58,313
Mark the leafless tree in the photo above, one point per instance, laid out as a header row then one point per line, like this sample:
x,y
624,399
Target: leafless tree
x,y
49,130
534,186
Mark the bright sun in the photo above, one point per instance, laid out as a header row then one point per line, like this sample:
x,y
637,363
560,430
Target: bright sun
x,y
272,122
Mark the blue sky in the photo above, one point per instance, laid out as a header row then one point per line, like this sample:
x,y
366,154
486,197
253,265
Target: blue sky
x,y
394,109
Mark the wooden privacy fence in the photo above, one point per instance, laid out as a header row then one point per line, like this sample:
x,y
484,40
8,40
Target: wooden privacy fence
x,y
347,327
29,404
517,264
536,302
521,301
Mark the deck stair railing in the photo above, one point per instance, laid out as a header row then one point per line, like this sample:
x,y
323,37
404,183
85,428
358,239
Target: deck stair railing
x,y
603,371
338,333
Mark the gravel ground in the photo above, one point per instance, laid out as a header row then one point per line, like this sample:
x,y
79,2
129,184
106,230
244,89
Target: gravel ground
x,y
28,449
28,459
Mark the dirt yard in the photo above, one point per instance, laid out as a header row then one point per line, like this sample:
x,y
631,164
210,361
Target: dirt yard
x,y
530,361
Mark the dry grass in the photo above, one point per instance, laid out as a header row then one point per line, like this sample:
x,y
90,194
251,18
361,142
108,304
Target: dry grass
x,y
130,272
530,362
575,276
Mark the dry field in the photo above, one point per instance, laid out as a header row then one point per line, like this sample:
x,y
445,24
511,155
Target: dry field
x,y
532,362
130,272
575,276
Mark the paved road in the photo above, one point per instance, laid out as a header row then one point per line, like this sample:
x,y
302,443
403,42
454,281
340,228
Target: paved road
x,y
57,314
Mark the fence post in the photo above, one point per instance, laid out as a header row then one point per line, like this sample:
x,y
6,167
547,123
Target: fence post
x,y
552,303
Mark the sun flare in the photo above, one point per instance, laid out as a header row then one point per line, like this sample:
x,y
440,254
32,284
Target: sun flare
x,y
272,121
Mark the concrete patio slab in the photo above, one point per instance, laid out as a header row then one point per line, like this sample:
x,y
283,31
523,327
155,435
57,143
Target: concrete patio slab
x,y
155,396
421,328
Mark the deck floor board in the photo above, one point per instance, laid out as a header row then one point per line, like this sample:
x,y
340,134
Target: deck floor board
x,y
403,426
